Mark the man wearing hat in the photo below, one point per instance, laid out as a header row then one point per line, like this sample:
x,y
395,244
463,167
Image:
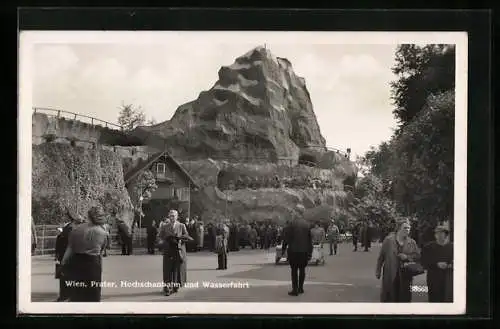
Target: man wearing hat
x,y
333,233
298,240
437,258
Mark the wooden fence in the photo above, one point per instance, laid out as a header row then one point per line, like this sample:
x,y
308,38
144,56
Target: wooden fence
x,y
47,234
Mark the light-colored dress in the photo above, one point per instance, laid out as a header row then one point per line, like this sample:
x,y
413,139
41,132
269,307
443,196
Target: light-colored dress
x,y
201,235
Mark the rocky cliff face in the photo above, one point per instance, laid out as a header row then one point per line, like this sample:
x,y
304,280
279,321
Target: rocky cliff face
x,y
258,108
214,200
76,178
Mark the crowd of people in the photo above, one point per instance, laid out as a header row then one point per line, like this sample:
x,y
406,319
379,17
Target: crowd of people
x,y
400,258
256,182
263,235
83,242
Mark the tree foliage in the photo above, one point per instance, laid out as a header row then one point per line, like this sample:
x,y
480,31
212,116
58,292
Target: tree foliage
x,y
421,71
411,175
131,117
422,166
371,203
145,184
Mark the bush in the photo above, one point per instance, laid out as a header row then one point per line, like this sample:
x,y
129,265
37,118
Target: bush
x,y
50,137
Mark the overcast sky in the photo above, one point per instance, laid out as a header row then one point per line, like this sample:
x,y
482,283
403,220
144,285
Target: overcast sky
x,y
348,83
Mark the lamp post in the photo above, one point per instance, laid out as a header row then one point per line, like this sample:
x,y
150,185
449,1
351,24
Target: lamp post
x,y
141,198
189,200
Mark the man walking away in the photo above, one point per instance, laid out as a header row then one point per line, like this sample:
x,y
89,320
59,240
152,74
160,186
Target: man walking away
x,y
298,241
355,235
333,237
318,235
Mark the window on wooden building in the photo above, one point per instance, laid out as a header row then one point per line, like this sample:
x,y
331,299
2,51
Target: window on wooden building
x,y
160,170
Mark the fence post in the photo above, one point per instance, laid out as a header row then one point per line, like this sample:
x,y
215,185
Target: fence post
x,y
92,121
58,114
43,239
75,117
34,110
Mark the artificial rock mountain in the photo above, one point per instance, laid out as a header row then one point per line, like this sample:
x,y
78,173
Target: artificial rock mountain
x,y
258,109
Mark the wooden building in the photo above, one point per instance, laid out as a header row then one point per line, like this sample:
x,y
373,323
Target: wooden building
x,y
174,183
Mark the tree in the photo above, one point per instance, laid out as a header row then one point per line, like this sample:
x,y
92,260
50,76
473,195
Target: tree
x,y
423,163
144,187
415,168
378,159
371,204
130,117
421,71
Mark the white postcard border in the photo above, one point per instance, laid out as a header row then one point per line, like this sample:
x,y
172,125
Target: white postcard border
x,y
28,39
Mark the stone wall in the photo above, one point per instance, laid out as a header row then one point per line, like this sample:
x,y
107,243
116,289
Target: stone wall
x,y
76,178
84,133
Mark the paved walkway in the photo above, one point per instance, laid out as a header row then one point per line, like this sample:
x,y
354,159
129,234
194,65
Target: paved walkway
x,y
252,276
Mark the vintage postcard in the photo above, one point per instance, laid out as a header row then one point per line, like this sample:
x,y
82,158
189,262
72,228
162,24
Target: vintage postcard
x,y
242,172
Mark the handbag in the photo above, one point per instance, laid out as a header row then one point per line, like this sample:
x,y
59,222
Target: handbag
x,y
413,269
410,268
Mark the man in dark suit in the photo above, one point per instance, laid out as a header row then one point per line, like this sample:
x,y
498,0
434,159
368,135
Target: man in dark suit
x,y
298,241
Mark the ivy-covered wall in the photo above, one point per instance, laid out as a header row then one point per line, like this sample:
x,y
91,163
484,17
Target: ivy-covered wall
x,y
76,178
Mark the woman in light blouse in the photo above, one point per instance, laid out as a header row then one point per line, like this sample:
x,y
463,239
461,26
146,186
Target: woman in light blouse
x,y
82,261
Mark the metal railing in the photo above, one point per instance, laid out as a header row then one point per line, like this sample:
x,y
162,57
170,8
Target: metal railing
x,y
47,234
75,116
331,149
59,113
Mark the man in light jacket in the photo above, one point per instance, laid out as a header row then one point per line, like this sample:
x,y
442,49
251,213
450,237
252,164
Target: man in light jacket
x,y
333,234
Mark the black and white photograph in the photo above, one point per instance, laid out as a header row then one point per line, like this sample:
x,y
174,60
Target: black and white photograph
x,y
242,172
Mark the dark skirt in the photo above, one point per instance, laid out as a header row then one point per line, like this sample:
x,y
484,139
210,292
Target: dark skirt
x,y
400,291
297,259
84,276
440,285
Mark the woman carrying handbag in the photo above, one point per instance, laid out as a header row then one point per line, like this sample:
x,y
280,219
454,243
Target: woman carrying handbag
x,y
397,265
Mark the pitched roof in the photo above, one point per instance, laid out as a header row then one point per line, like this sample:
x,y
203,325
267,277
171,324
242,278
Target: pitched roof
x,y
154,157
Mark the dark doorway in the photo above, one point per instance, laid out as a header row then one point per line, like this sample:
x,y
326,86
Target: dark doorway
x,y
226,180
349,183
308,160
